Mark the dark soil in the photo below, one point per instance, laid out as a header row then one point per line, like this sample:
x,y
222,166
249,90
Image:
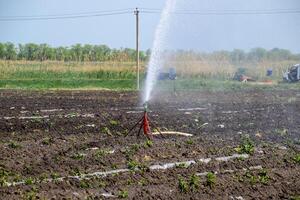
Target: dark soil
x,y
55,133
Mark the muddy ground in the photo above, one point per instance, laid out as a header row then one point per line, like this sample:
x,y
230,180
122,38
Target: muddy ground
x,y
54,134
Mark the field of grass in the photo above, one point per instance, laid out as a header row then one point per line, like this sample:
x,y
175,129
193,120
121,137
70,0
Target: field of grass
x,y
121,75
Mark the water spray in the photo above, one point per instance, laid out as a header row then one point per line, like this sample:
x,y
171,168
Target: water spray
x,y
157,59
155,64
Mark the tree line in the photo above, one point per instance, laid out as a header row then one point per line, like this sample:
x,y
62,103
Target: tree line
x,y
237,55
86,52
78,53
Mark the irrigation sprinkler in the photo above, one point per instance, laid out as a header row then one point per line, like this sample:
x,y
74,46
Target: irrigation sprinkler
x,y
145,123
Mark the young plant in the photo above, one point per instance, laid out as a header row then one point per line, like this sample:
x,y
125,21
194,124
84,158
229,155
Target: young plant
x,y
135,147
42,177
54,176
263,177
182,165
3,181
106,131
84,184
113,122
194,182
183,185
247,146
252,179
295,197
47,141
31,195
14,145
143,182
78,156
132,165
148,143
211,179
123,194
189,141
100,153
297,158
29,181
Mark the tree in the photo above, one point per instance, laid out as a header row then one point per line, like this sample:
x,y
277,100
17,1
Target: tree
x,y
2,51
10,52
237,55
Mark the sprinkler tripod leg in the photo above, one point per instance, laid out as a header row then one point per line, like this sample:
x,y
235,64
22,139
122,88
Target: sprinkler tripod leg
x,y
134,126
153,125
141,126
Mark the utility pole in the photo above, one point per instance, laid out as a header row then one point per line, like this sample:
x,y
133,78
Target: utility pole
x,y
136,12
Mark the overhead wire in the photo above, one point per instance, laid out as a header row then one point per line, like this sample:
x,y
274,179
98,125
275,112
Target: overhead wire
x,y
66,16
147,11
226,12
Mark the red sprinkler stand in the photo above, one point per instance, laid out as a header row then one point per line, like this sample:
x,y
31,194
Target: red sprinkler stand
x,y
146,126
144,123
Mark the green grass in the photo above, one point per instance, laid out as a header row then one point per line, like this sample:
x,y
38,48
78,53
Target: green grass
x,y
43,78
46,75
130,84
218,85
68,84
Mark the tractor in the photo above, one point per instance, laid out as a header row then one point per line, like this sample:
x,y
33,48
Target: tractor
x,y
292,75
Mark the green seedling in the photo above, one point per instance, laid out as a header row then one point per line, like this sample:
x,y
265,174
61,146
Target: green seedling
x,y
14,145
252,179
194,182
106,131
263,177
181,165
47,141
123,194
143,182
148,143
42,177
190,142
100,153
3,181
29,181
75,172
132,165
54,176
295,198
135,147
211,179
130,182
84,184
78,156
297,158
183,185
32,195
247,146
113,166
113,122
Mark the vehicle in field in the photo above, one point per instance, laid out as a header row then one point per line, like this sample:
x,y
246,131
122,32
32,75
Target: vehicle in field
x,y
292,74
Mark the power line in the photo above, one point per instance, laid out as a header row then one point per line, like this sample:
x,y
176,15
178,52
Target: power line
x,y
69,14
148,11
226,12
54,17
